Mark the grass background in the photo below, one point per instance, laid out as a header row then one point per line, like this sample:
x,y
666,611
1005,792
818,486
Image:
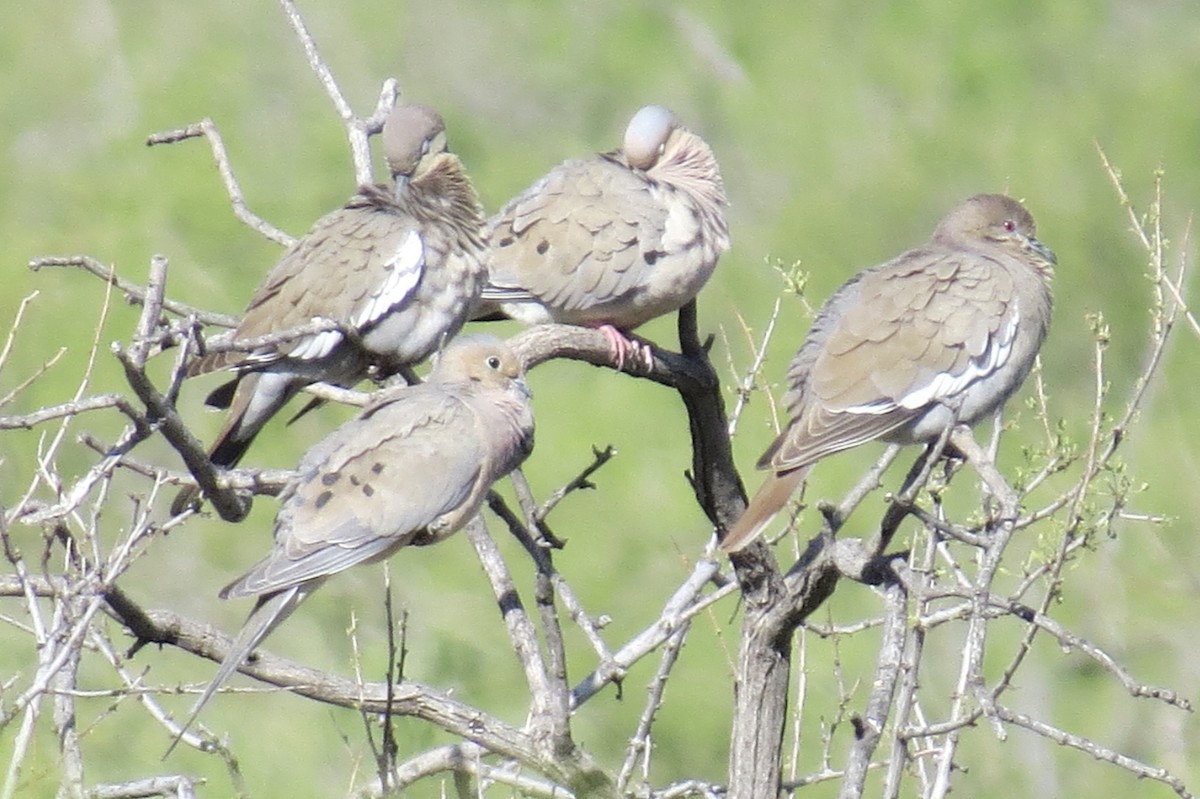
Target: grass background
x,y
844,131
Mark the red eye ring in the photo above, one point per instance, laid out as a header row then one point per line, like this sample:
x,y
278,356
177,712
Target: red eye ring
x,y
1010,225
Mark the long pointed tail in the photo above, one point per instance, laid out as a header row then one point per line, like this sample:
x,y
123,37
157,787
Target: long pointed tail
x,y
269,613
770,499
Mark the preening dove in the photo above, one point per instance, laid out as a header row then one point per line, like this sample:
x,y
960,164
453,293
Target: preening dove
x,y
615,240
955,322
400,270
410,470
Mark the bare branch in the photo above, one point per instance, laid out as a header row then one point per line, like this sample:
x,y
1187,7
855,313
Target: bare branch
x,y
11,339
68,410
640,745
408,698
1064,738
133,292
174,787
869,729
357,130
468,758
747,383
208,129
27,382
684,604
231,505
580,481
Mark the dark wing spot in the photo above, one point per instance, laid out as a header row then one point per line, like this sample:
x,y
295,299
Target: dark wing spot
x,y
377,468
650,257
542,247
507,241
323,498
368,490
329,478
354,480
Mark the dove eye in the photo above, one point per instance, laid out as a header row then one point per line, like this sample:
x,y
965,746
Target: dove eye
x,y
1010,225
493,362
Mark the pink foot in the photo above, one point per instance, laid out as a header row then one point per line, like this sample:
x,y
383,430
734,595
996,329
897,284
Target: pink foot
x,y
624,346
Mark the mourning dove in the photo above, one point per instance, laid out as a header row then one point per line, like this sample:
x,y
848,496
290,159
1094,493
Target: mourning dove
x,y
399,270
615,240
944,333
410,470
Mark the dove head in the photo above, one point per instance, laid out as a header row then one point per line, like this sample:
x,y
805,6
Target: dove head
x,y
483,362
411,135
1000,220
647,135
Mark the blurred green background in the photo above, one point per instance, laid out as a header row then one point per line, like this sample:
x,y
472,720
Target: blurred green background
x,y
844,131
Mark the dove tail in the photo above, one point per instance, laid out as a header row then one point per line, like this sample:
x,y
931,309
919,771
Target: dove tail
x,y
769,500
259,396
269,613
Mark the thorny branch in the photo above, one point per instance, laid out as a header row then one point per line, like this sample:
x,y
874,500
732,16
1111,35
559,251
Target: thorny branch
x,y
951,576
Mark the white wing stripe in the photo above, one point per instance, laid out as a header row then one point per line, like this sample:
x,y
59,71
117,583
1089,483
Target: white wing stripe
x,y
405,268
944,384
315,347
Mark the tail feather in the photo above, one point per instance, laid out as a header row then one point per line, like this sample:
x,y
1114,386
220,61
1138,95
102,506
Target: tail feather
x,y
269,613
213,362
231,445
259,396
768,501
221,397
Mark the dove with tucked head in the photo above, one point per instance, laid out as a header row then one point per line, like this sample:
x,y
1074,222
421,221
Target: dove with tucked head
x,y
615,240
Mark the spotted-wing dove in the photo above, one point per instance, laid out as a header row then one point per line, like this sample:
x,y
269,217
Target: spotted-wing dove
x,y
615,240
410,470
944,333
399,270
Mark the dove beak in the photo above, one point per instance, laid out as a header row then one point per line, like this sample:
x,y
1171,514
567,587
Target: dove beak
x,y
522,387
1042,251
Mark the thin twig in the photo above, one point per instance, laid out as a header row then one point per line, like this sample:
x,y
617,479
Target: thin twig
x,y
1064,738
357,130
133,292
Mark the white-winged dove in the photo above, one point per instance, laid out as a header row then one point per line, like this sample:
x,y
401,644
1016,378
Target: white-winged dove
x,y
615,240
410,470
400,270
944,333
